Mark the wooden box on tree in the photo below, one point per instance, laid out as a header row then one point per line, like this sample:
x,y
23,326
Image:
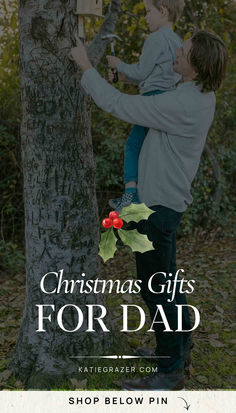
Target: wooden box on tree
x,y
89,8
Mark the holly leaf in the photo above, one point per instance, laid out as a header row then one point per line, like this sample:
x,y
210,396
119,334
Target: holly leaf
x,y
135,212
136,241
107,246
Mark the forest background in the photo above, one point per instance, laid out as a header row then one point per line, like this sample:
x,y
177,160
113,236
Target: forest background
x,y
208,225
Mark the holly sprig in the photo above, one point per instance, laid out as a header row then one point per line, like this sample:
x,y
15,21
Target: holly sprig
x,y
132,238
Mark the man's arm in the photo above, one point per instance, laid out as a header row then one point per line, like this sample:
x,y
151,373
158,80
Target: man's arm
x,y
163,112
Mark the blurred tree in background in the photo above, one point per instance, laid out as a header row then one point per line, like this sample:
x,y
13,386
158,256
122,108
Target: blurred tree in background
x,y
213,186
11,185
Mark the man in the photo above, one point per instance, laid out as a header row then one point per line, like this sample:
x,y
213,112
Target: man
x,y
178,123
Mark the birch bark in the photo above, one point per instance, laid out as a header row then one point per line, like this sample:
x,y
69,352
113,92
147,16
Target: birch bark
x,y
61,217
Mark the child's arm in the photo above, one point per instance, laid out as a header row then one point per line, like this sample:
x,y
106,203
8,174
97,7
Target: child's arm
x,y
121,78
152,49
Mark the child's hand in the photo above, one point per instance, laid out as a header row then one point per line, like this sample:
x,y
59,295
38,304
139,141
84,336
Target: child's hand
x,y
121,77
113,61
110,76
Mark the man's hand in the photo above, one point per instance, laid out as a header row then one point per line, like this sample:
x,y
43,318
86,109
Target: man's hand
x,y
113,61
79,55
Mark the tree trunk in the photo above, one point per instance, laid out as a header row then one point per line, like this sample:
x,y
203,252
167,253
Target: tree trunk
x,y
61,218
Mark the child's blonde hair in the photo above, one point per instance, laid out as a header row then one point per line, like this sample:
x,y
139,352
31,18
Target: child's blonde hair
x,y
174,7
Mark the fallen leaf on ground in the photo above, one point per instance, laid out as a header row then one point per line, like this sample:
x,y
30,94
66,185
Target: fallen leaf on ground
x,y
218,308
79,384
216,343
117,383
202,379
4,376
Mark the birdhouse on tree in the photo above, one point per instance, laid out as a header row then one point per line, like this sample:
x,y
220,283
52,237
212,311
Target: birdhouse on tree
x,y
89,8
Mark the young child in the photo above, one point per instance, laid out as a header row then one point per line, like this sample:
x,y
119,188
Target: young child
x,y
154,73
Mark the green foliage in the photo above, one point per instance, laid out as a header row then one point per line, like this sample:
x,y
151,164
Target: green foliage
x,y
10,109
109,137
11,200
11,258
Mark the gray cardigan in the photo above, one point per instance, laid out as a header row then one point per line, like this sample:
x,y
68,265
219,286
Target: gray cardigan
x,y
179,121
154,71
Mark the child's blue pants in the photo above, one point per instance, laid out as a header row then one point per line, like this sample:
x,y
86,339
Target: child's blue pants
x,y
133,147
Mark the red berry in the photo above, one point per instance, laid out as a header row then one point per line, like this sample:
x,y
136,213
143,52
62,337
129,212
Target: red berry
x,y
113,215
107,222
117,223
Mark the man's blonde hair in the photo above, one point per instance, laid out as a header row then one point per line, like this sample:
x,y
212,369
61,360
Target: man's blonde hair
x,y
174,7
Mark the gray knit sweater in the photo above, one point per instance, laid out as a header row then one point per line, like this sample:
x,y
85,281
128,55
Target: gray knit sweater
x,y
179,121
154,71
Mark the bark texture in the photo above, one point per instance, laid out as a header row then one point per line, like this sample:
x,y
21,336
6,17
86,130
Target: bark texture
x,y
61,219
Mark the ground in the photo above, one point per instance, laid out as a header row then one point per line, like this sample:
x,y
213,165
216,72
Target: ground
x,y
207,258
